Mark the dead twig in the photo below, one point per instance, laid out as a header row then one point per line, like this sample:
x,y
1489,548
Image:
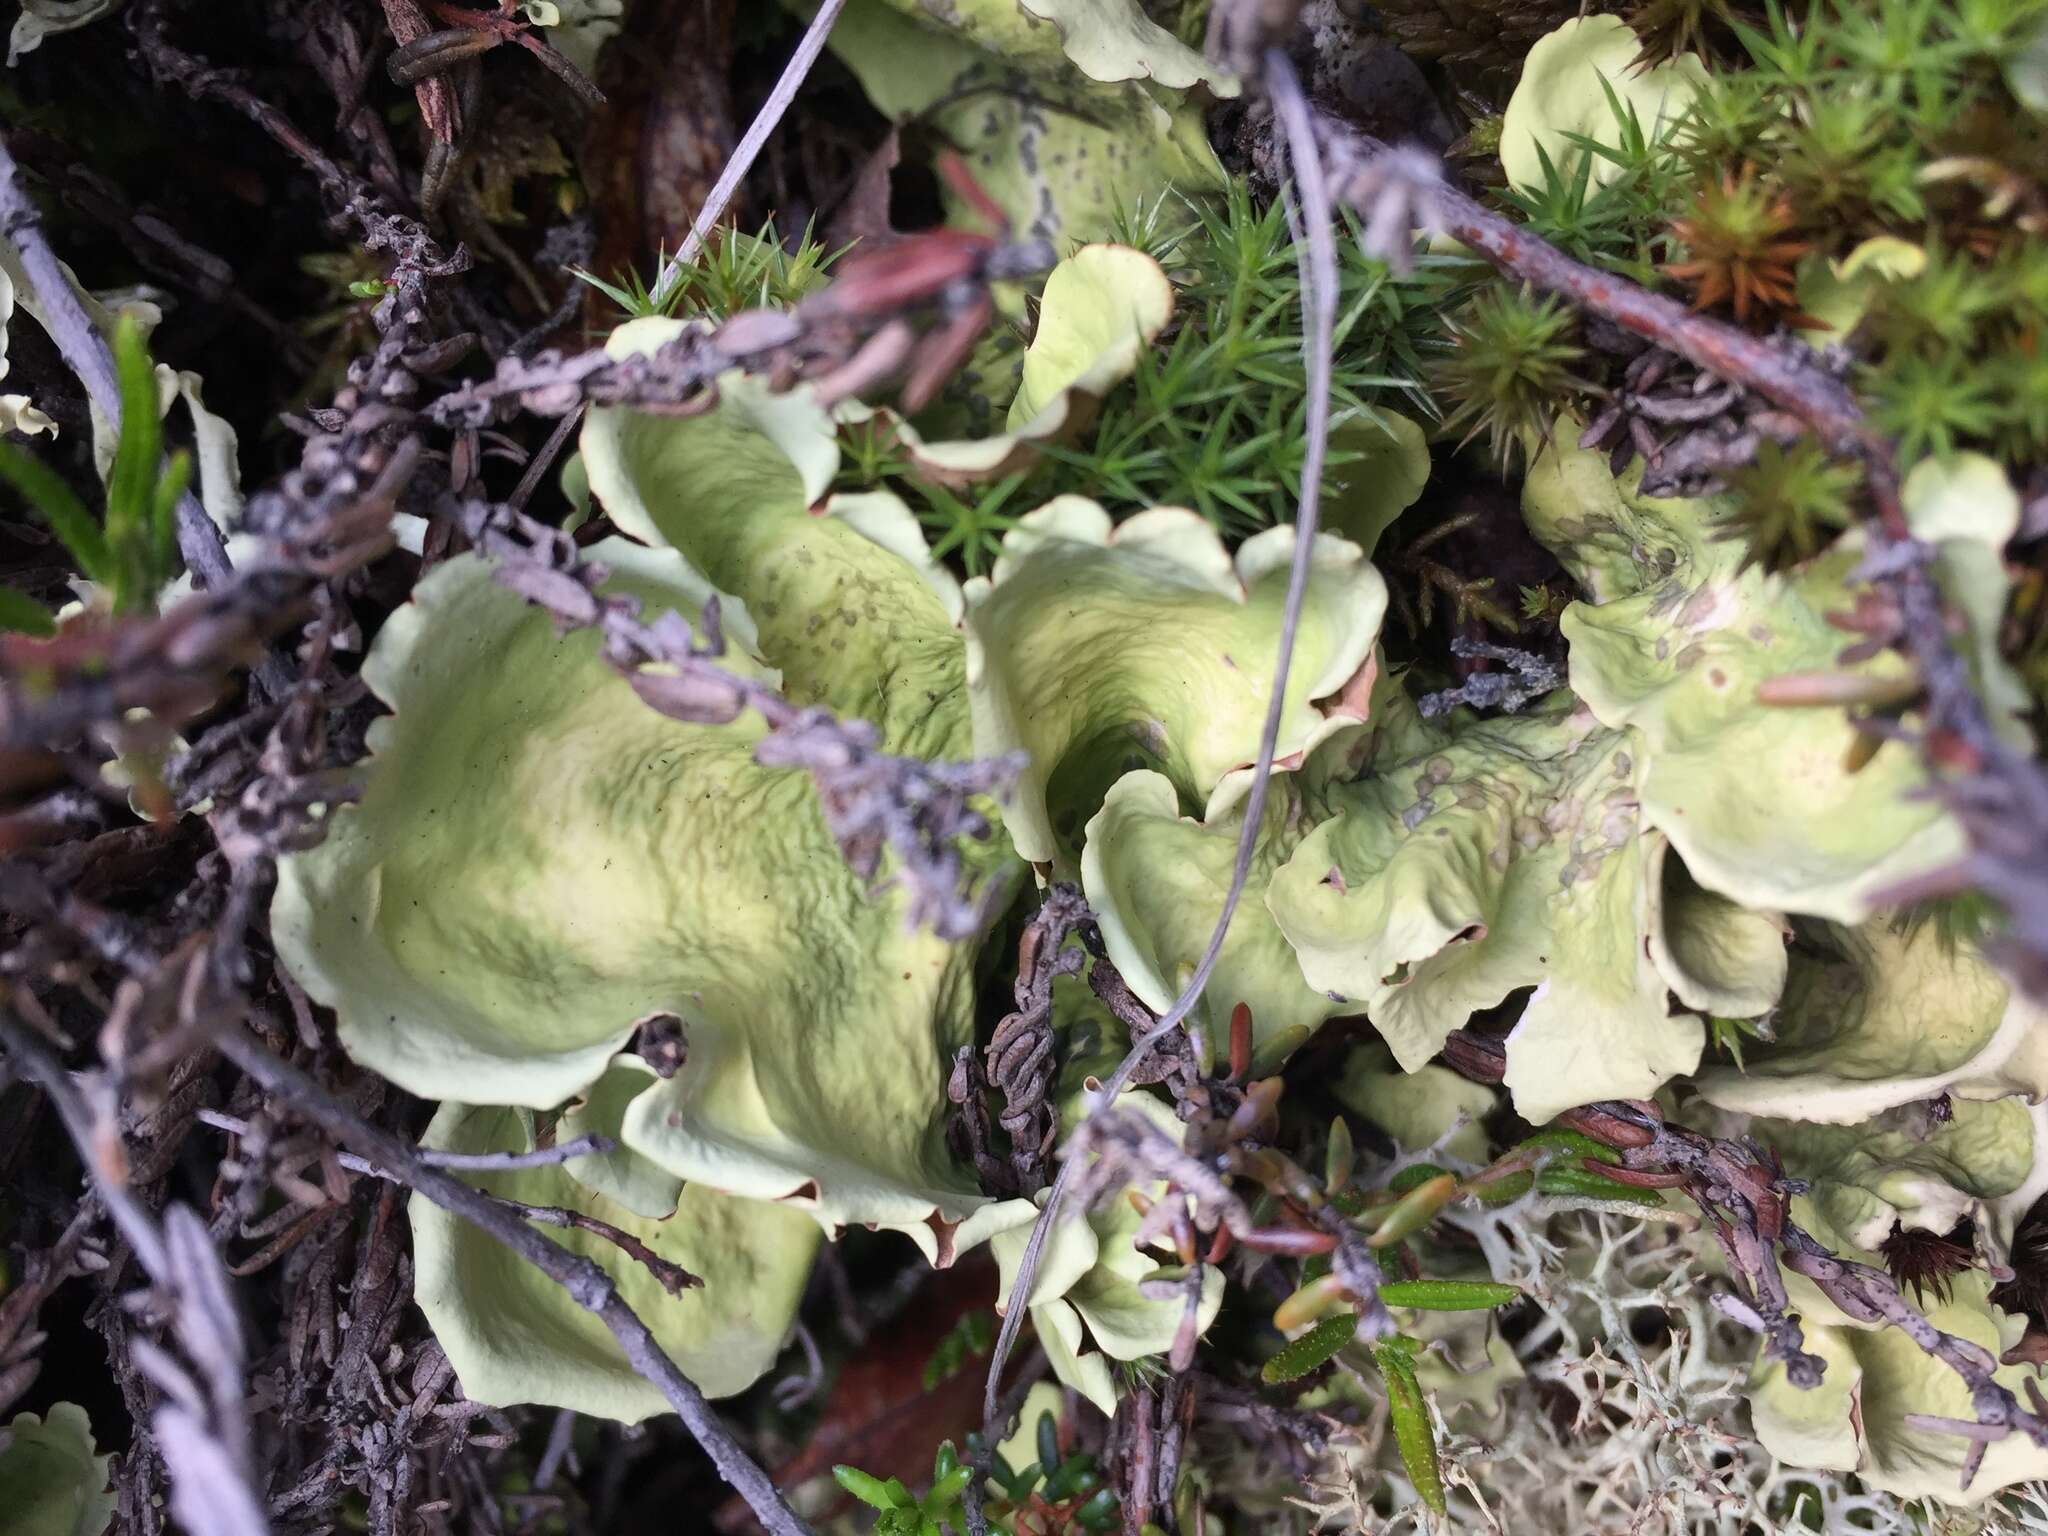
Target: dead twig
x,y
1997,792
1318,263
874,803
808,47
852,336
463,1162
1019,1057
201,1425
203,82
1528,677
1400,190
586,1284
673,1277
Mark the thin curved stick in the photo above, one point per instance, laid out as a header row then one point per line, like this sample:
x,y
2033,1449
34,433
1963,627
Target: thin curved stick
x,y
1318,262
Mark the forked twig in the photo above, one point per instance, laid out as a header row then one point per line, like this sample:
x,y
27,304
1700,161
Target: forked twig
x,y
672,1277
466,1162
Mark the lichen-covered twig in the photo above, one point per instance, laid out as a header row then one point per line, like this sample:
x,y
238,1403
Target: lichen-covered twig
x,y
1019,1059
1400,190
853,335
922,813
1528,677
1998,792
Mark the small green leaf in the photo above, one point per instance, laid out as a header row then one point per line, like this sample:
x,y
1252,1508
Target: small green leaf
x,y
1048,1442
948,1488
632,296
1314,1299
973,1333
1415,1210
58,505
1099,1513
132,478
1727,1035
1300,1356
1399,1344
1409,1414
1340,1156
1270,1057
24,616
1574,1143
163,521
944,1462
1448,1295
870,1490
1581,1184
1505,1190
1067,1479
1413,1177
944,1362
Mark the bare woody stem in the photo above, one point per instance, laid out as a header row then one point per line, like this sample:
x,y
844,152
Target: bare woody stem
x,y
672,1277
468,1162
587,1285
1781,376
